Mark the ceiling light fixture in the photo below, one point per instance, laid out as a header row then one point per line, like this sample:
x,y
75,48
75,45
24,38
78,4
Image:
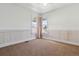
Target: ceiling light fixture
x,y
45,4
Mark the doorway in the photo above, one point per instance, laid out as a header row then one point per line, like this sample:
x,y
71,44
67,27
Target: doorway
x,y
39,27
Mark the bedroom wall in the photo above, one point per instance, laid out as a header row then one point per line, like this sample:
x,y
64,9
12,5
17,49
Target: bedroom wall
x,y
15,24
63,24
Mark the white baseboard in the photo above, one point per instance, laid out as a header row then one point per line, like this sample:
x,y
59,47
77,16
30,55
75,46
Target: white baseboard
x,y
16,42
63,41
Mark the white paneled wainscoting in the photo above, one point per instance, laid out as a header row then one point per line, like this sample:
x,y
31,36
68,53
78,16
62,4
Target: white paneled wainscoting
x,y
9,37
65,36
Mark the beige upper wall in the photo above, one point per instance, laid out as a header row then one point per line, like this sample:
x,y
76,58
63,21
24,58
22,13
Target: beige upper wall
x,y
66,18
13,16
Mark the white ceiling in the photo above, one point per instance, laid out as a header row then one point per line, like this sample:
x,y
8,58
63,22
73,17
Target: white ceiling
x,y
38,7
